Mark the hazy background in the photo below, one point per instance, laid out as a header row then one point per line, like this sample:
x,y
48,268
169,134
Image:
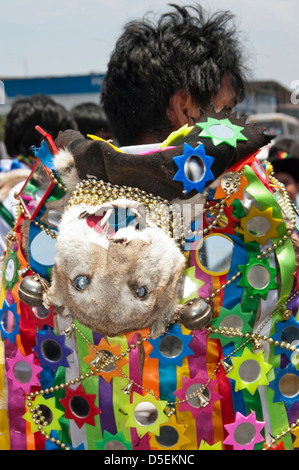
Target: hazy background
x,y
61,37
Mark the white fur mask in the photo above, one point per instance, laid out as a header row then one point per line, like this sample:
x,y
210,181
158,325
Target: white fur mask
x,y
114,282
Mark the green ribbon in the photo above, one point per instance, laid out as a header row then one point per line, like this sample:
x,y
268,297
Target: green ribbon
x,y
6,216
284,253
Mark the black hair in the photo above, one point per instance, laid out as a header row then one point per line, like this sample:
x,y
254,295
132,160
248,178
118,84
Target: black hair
x,y
286,165
90,118
184,50
25,114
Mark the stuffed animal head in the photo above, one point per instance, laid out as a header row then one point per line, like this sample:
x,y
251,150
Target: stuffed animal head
x,y
114,282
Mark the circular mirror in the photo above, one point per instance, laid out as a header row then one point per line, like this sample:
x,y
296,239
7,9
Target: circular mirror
x,y
43,249
46,413
249,371
194,168
79,406
51,350
290,335
258,226
114,445
193,401
170,346
10,270
169,436
289,385
244,433
146,413
258,277
22,372
222,131
214,254
41,312
232,321
8,321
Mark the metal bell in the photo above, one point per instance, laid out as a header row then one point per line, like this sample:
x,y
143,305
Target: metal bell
x,y
196,314
31,290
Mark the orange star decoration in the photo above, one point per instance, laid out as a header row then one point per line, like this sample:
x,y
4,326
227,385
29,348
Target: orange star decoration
x,y
231,183
171,436
109,371
259,225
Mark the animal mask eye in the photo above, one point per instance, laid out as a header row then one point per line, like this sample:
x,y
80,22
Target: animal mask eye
x,y
81,282
141,292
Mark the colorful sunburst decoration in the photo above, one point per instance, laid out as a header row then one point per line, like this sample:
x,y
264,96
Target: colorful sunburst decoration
x,y
258,277
194,403
245,432
113,442
110,370
198,166
171,436
249,371
287,331
9,321
51,350
234,318
146,414
23,372
10,272
259,225
231,183
80,406
191,285
221,131
286,385
49,412
171,347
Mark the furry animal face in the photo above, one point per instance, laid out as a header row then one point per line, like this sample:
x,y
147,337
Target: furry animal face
x,y
114,282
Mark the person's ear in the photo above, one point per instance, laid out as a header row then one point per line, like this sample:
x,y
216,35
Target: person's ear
x,y
181,109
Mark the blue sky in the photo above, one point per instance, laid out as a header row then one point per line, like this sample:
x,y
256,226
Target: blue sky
x,y
62,37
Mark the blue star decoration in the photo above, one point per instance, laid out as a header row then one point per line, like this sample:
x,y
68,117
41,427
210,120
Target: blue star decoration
x,y
171,347
194,168
287,331
9,321
286,385
51,350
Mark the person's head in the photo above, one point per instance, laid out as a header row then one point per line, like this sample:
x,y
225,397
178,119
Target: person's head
x,y
160,75
284,158
91,119
25,114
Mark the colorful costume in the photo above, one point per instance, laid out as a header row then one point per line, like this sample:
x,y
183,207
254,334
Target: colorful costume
x,y
230,383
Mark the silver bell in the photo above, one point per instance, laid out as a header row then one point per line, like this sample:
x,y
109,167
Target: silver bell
x,y
31,290
196,314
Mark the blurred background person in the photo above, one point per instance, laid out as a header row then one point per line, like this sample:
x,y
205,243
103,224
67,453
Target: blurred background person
x,y
91,119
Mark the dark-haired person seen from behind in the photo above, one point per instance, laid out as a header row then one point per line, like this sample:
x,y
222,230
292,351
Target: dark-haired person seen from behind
x,y
161,75
91,120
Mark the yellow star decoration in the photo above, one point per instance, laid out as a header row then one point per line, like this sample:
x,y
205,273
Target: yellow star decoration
x,y
95,137
191,285
263,227
249,371
51,413
145,413
177,432
295,432
205,446
177,135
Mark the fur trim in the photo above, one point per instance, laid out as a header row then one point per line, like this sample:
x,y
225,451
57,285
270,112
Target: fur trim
x,y
65,165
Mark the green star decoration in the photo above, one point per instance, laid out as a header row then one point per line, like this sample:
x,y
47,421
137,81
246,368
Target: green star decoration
x,y
11,270
114,442
221,131
258,277
234,318
191,285
156,415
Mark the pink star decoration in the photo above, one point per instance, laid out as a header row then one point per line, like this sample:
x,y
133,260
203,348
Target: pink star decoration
x,y
23,372
195,383
244,433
